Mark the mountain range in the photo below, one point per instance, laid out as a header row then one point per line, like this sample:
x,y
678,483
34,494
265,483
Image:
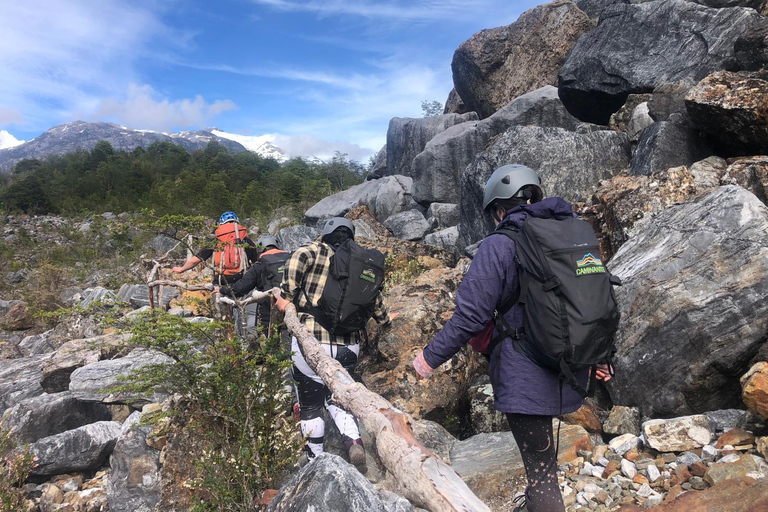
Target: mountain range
x,y
70,137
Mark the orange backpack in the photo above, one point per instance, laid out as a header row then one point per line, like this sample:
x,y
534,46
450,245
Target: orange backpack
x,y
230,259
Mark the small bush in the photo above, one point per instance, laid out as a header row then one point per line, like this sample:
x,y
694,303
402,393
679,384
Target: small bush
x,y
238,401
15,466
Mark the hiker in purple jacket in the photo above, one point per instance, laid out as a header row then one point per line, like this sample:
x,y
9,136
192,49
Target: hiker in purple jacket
x,y
530,395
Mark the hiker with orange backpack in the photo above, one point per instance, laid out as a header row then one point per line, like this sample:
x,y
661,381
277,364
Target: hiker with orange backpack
x,y
233,254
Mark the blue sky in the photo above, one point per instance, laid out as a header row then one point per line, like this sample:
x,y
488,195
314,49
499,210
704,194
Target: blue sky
x,y
317,74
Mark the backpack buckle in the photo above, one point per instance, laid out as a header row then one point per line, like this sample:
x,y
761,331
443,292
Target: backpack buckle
x,y
551,283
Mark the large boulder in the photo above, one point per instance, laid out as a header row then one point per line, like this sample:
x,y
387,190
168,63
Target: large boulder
x,y
47,415
81,449
406,138
383,197
75,354
134,477
639,46
293,237
678,434
445,238
693,308
95,382
443,215
379,167
570,165
437,170
20,379
732,108
736,495
666,144
408,225
497,65
329,484
17,318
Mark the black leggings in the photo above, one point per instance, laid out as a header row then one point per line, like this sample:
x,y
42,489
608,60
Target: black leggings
x,y
535,438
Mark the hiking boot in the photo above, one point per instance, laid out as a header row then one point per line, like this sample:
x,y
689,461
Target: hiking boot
x,y
356,454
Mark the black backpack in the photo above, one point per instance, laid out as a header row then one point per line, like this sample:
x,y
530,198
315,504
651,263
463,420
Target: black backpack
x,y
273,268
570,311
354,282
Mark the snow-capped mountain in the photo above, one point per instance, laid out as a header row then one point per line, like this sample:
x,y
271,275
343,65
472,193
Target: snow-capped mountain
x,y
70,137
8,141
261,144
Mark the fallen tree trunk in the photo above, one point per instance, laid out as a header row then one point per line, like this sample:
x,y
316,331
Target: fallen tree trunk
x,y
425,479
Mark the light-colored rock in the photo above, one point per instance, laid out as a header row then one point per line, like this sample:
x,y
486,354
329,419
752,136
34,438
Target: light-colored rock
x,y
711,258
622,444
677,434
293,237
408,225
20,379
628,468
445,238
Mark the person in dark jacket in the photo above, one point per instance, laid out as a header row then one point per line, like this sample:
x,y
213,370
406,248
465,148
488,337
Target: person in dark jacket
x,y
529,395
265,274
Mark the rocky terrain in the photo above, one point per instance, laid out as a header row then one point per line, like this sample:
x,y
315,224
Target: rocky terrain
x,y
652,118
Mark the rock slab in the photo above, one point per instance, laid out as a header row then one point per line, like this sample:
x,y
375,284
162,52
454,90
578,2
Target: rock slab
x,y
82,449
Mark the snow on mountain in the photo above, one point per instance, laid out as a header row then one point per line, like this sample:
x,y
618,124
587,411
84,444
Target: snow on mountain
x,y
260,144
8,141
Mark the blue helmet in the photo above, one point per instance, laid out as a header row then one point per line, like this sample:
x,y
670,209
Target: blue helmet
x,y
228,217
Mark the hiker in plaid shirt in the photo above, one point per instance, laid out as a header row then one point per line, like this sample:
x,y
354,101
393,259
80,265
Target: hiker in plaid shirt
x,y
305,276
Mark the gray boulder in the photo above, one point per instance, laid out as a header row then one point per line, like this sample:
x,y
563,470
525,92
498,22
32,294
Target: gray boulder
x,y
97,294
93,382
443,215
162,244
47,415
293,237
36,345
693,305
445,238
570,165
667,144
138,295
379,167
641,119
623,420
20,379
406,138
497,65
485,461
724,420
721,4
133,484
437,170
330,484
410,225
637,47
383,197
81,449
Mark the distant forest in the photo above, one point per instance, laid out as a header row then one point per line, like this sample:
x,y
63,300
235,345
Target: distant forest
x,y
167,178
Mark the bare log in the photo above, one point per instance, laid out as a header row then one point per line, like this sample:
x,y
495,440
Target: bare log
x,y
182,285
425,479
150,286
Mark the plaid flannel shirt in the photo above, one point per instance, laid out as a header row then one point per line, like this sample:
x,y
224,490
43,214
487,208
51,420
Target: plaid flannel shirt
x,y
303,283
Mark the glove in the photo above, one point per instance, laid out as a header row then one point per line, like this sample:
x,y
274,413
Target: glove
x,y
422,368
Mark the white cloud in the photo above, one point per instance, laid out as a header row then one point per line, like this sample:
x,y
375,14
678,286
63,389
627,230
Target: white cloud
x,y
309,146
143,108
62,61
9,116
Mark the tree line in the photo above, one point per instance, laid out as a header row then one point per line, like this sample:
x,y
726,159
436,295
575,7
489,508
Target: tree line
x,y
170,180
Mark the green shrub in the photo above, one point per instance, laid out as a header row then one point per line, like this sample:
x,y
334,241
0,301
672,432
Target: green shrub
x,y
238,400
401,269
15,465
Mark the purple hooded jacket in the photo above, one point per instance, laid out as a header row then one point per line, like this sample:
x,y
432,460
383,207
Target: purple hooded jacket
x,y
519,385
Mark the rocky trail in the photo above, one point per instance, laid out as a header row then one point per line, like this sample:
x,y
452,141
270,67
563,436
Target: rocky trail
x,y
650,116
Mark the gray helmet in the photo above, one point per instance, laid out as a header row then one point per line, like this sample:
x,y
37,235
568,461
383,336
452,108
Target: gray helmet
x,y
335,223
507,181
266,241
